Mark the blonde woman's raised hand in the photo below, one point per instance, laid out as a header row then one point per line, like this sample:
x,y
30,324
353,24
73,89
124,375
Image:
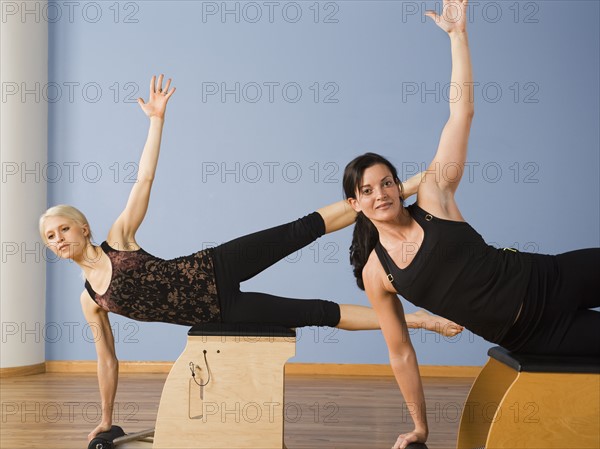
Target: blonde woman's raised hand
x,y
158,98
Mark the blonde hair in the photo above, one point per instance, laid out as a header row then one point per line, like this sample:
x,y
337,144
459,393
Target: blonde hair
x,y
64,210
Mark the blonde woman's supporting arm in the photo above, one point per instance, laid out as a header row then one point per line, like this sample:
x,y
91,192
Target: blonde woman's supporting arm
x,y
108,365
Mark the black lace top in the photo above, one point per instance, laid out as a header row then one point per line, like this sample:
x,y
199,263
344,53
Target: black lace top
x,y
146,288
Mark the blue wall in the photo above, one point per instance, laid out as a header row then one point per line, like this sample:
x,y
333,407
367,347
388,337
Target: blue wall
x,y
357,76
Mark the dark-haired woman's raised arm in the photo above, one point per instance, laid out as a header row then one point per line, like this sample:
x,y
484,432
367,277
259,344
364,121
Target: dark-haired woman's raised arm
x,y
436,193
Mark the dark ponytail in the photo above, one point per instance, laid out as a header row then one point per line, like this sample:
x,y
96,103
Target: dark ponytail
x,y
365,235
364,238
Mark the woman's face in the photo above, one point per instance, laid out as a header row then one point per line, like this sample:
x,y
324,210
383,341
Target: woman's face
x,y
378,195
65,237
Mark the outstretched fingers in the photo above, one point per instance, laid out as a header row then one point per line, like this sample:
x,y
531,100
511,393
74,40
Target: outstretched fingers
x,y
159,89
158,97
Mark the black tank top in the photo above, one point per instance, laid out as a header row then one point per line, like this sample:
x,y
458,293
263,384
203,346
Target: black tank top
x,y
457,275
147,288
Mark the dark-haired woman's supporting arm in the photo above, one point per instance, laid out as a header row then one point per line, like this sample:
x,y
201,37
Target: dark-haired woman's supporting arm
x,y
403,359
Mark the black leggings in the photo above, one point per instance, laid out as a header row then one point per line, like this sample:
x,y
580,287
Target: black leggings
x,y
243,258
567,326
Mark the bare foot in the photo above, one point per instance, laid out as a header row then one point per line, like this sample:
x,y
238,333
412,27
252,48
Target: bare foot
x,y
438,324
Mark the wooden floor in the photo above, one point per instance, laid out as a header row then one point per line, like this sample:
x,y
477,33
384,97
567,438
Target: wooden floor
x,y
324,412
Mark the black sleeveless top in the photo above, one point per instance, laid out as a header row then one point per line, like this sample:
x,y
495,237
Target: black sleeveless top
x,y
457,275
146,288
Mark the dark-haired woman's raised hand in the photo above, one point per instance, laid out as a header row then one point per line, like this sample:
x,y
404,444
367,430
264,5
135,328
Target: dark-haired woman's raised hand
x,y
453,17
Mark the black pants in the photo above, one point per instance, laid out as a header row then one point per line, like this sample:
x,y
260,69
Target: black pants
x,y
567,326
243,258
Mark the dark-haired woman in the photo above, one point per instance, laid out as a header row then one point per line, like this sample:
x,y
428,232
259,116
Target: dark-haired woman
x,y
427,253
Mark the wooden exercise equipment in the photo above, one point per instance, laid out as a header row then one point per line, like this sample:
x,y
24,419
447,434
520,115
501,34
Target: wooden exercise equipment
x,y
226,390
533,402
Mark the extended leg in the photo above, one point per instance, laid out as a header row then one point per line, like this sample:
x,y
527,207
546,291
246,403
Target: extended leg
x,y
262,308
245,257
363,318
269,309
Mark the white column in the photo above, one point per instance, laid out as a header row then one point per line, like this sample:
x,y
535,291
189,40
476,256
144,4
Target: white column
x,y
23,156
